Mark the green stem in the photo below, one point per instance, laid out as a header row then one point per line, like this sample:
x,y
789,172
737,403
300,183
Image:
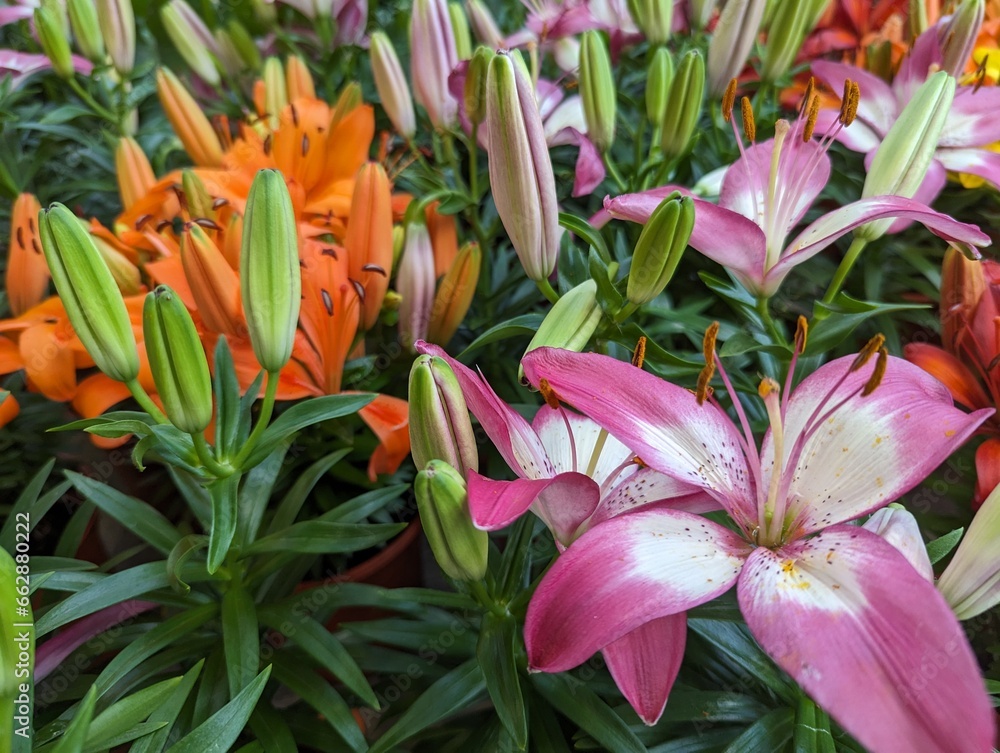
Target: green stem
x,y
615,175
547,290
146,402
206,458
452,156
625,312
764,309
266,408
474,164
857,246
93,104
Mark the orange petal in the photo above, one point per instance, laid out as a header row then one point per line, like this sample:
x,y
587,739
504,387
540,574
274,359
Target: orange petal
x,y
135,174
97,393
189,122
9,408
170,271
951,372
388,417
350,144
48,362
27,276
369,238
987,470
444,238
10,356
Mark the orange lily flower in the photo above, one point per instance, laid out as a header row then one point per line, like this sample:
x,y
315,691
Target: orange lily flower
x,y
9,408
369,239
27,276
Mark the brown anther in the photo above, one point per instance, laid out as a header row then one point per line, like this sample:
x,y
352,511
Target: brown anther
x,y
359,289
807,97
849,104
639,462
327,301
871,348
267,145
728,100
205,222
219,202
142,220
749,126
31,224
639,354
801,334
376,268
980,74
162,225
548,394
768,387
20,238
329,252
703,390
877,373
305,144
810,126
295,115
708,343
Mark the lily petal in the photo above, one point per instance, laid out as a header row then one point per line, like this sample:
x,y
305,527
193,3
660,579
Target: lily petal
x,y
649,487
878,108
871,449
844,611
951,372
972,119
971,582
644,664
579,451
858,137
900,528
987,470
662,423
981,162
622,574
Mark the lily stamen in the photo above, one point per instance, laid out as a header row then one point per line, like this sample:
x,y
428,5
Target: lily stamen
x,y
552,400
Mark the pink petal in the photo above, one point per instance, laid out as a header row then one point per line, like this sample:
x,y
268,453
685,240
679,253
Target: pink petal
x,y
925,53
576,451
637,207
878,107
972,119
662,423
14,13
622,574
858,136
644,663
506,428
928,190
589,171
981,162
870,640
564,502
833,225
649,487
900,528
871,449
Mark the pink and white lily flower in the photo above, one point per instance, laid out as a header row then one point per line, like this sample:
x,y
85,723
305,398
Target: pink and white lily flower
x,y
574,475
835,605
972,123
764,196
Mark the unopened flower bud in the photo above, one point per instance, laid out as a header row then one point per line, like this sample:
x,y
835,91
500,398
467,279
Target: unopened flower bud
x,y
135,174
199,202
661,73
454,294
177,361
654,18
897,526
88,291
524,186
484,26
227,57
54,42
460,27
415,284
192,38
117,21
433,58
126,274
597,90
570,323
962,286
270,276
684,104
659,249
788,27
214,284
391,85
86,29
959,34
275,90
459,547
188,121
905,154
971,582
440,428
700,12
244,44
732,41
298,80
475,84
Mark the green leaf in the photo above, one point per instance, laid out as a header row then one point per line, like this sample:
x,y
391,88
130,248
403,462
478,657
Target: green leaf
x,y
271,730
733,640
581,705
832,323
938,549
223,494
240,637
321,537
319,694
453,203
128,712
315,640
526,324
497,644
34,508
217,733
178,557
290,505
106,418
303,414
140,518
256,493
607,294
115,429
811,732
588,232
359,508
227,400
766,735
25,501
128,584
453,692
75,736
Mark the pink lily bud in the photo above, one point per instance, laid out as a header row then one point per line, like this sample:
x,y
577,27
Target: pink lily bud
x,y
484,26
971,582
193,39
415,284
391,84
959,34
434,57
524,187
732,42
117,22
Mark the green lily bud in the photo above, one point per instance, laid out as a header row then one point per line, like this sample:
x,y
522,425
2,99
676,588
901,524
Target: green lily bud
x,y
959,35
86,29
192,39
117,19
126,274
654,18
440,428
177,360
54,41
661,73
89,294
460,26
244,45
597,90
570,323
475,84
684,105
659,249
906,152
270,277
275,90
459,547
700,13
787,30
199,203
